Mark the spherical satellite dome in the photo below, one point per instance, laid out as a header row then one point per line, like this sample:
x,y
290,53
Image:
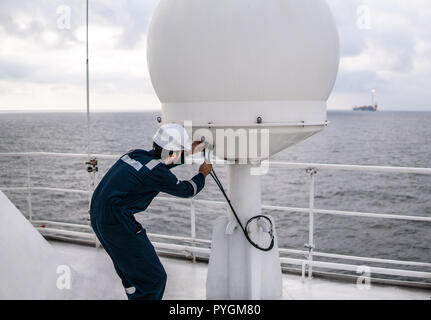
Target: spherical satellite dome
x,y
230,62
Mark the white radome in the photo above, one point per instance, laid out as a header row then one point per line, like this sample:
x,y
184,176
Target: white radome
x,y
244,65
228,62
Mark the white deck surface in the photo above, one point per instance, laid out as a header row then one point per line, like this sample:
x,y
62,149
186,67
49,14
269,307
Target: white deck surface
x,y
96,279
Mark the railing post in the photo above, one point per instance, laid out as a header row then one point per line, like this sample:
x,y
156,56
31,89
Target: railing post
x,y
193,225
304,263
30,213
310,245
92,169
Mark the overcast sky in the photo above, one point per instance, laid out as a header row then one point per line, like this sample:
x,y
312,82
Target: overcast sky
x,y
385,44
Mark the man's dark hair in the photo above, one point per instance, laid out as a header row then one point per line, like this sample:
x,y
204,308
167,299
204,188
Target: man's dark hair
x,y
158,150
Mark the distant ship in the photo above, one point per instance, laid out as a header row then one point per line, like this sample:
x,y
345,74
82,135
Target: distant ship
x,y
366,108
372,107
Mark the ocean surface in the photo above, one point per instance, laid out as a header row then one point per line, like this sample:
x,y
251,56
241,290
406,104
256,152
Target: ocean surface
x,y
363,138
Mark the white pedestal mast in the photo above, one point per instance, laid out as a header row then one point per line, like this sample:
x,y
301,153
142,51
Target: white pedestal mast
x,y
236,269
259,69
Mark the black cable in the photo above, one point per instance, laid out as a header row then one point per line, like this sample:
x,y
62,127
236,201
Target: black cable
x,y
217,181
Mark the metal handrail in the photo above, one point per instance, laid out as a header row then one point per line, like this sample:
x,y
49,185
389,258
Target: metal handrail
x,y
345,167
266,207
274,164
57,154
41,224
311,169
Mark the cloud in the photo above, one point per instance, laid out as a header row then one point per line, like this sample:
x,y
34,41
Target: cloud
x,y
39,59
362,81
389,55
42,64
133,16
32,21
11,70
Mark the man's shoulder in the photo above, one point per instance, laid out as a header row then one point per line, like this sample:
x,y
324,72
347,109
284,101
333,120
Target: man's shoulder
x,y
138,152
142,155
147,159
160,171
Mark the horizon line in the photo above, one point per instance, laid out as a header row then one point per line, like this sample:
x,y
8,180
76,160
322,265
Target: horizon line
x,y
159,110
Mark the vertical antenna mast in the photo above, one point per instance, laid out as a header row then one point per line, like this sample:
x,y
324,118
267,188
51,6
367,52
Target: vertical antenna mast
x,y
88,90
92,162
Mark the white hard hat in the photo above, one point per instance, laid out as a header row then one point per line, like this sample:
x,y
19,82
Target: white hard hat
x,y
172,137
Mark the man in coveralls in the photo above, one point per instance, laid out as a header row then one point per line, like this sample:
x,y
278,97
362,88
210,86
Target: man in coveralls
x,y
129,187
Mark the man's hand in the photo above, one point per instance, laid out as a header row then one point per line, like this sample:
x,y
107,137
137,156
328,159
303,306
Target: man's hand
x,y
205,168
198,146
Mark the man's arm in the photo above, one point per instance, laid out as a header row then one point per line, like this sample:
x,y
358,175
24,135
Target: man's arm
x,y
166,181
197,146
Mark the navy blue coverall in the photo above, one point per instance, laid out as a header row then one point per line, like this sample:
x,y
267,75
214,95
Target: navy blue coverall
x,y
127,188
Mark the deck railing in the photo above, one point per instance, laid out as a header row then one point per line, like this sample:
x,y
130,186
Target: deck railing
x,y
194,246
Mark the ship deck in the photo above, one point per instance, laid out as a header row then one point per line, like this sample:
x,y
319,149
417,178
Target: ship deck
x,y
186,280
